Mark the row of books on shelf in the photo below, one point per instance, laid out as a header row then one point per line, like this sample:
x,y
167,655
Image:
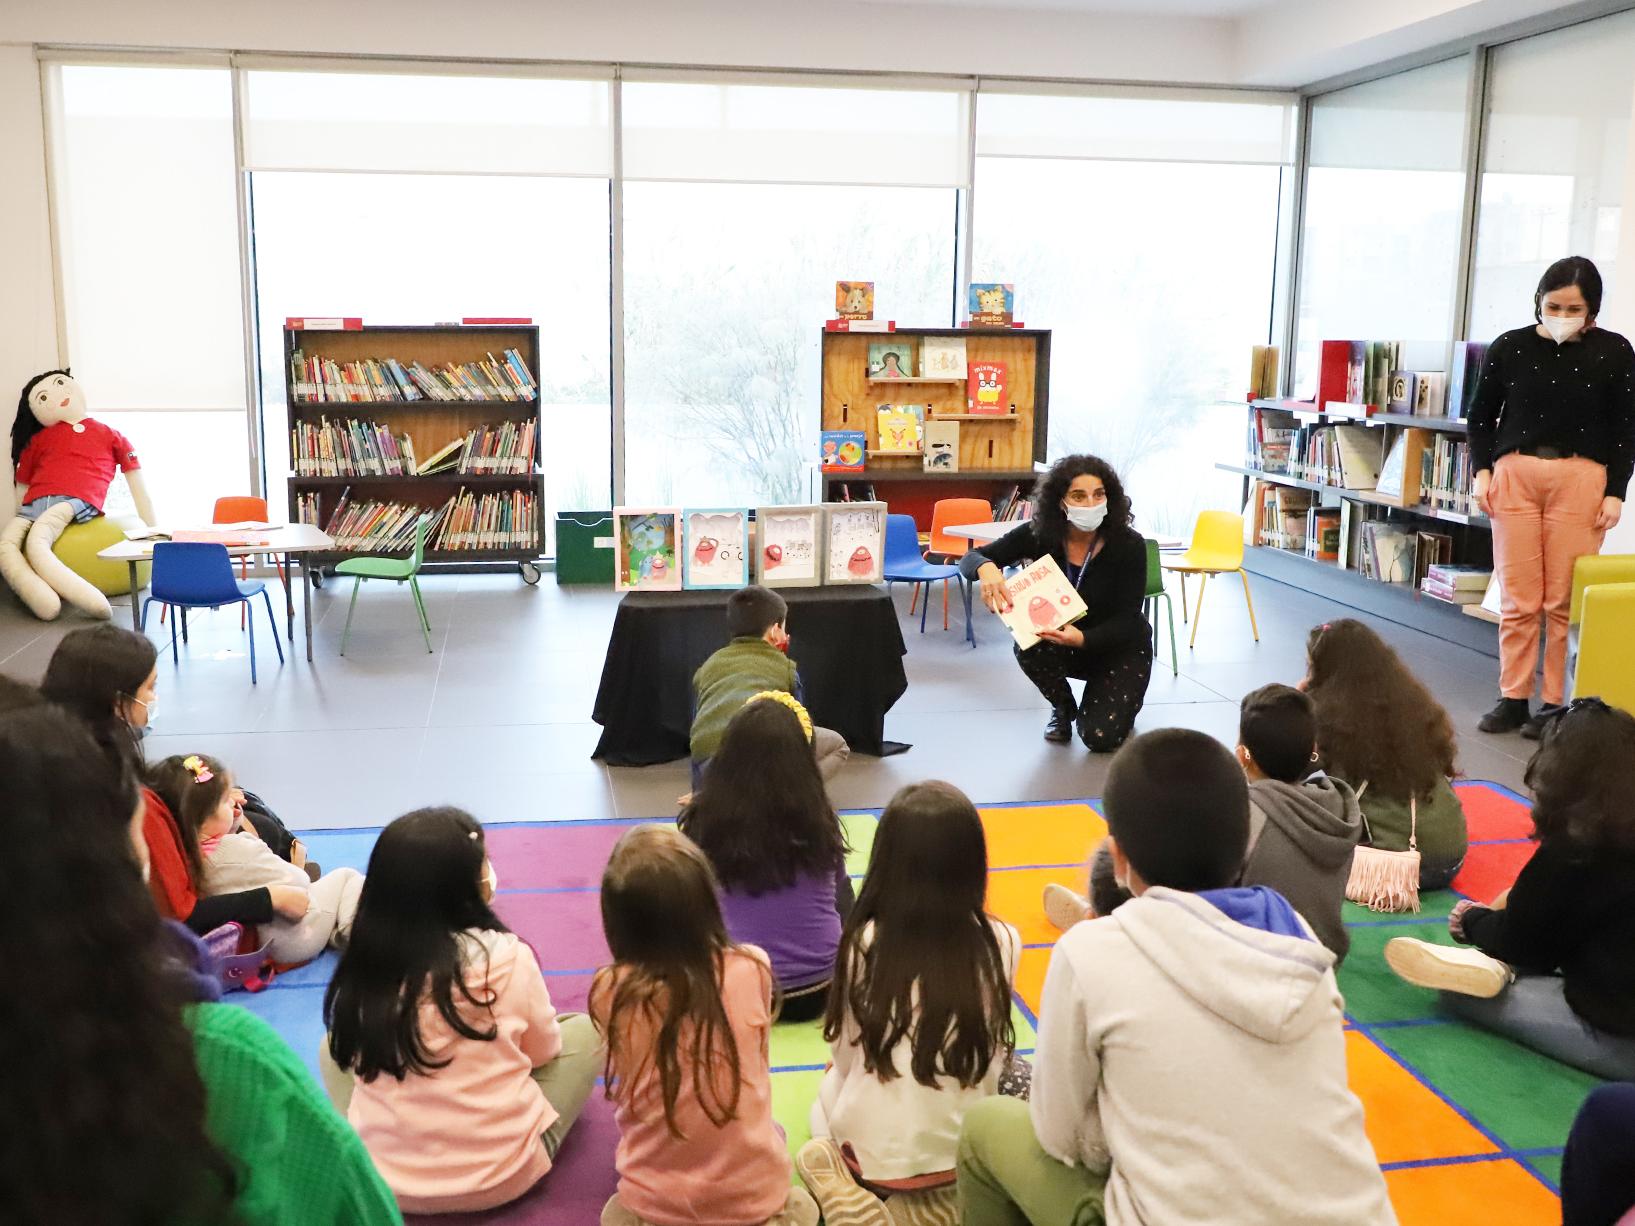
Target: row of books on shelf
x,y
1344,456
318,379
1365,377
353,448
468,520
1445,477
901,430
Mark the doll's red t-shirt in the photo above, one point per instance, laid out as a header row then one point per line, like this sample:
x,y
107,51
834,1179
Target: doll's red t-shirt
x,y
75,463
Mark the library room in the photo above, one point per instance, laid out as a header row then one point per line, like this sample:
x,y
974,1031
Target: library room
x,y
606,619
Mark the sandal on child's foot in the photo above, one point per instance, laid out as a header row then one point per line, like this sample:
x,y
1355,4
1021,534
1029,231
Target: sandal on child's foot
x,y
1448,968
1064,908
829,1180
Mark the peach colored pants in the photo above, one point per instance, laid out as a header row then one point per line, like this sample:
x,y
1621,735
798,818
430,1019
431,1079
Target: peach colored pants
x,y
1543,521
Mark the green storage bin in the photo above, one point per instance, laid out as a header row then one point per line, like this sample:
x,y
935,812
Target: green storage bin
x,y
584,547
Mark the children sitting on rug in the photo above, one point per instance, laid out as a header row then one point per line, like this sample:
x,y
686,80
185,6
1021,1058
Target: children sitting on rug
x,y
918,1019
756,660
226,856
1551,961
444,1049
1191,1063
687,1016
1380,730
763,820
1303,826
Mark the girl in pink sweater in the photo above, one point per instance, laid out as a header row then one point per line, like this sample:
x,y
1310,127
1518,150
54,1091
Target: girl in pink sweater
x,y
687,1015
444,1049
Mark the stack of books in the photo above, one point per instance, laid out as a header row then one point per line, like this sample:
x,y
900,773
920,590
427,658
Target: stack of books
x,y
319,379
350,448
1456,584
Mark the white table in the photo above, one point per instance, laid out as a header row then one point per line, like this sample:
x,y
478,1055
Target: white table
x,y
986,534
291,540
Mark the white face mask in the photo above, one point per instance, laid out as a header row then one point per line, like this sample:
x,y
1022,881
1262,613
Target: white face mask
x,y
1086,519
1561,327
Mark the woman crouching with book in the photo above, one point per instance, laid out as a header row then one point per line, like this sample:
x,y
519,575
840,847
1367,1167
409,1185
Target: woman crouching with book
x,y
1081,519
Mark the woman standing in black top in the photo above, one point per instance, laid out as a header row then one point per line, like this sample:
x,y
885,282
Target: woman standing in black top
x,y
1081,518
1552,442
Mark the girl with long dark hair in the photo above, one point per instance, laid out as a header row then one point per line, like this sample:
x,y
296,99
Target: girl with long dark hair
x,y
444,1049
1382,731
1082,519
764,821
687,1016
919,1017
134,1100
1552,443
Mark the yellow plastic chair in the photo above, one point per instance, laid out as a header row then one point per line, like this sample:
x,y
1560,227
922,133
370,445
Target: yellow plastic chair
x,y
1594,568
1606,666
1216,549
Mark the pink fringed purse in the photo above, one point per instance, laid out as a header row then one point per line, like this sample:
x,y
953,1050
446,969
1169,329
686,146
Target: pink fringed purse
x,y
1386,880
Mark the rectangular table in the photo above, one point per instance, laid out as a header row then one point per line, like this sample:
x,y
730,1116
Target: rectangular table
x,y
291,540
846,642
986,534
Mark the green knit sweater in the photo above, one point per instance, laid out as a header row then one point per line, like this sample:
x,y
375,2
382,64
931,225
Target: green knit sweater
x,y
727,680
297,1160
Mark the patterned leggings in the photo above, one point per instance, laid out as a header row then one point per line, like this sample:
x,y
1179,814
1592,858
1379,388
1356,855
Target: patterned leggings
x,y
1115,686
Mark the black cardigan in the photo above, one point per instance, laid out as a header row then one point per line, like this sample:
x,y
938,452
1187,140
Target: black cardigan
x,y
1576,915
1113,583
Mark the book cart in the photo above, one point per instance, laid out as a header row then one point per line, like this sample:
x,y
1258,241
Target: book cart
x,y
430,425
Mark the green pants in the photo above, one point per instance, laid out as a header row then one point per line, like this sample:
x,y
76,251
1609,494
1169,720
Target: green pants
x,y
1006,1179
567,1081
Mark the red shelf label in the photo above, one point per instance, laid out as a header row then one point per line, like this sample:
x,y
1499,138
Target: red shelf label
x,y
324,323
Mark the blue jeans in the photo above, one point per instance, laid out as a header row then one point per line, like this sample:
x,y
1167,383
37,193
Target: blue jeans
x,y
1534,1012
82,510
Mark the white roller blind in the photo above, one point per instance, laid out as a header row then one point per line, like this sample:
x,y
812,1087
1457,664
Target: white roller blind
x,y
427,124
1116,127
1410,121
718,132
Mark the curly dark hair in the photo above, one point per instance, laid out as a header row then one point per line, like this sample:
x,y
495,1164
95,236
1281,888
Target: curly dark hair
x,y
114,1105
1376,722
1050,521
1582,775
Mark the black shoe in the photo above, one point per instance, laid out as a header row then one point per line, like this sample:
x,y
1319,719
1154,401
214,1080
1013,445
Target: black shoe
x,y
1506,716
1533,729
1060,729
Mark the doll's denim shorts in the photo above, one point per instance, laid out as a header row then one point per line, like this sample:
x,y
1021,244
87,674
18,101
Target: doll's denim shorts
x,y
82,510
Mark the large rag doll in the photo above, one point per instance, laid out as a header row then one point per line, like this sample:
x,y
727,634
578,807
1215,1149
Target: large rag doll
x,y
65,463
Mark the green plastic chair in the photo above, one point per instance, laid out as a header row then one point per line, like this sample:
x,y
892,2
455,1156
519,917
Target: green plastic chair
x,y
1155,590
399,570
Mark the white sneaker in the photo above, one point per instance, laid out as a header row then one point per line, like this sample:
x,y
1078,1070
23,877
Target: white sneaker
x,y
843,1202
1064,908
1448,968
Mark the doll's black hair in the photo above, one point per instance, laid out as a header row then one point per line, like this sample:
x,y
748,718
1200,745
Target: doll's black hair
x,y
26,425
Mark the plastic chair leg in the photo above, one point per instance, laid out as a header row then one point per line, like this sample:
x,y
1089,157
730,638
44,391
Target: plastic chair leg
x,y
914,600
1182,575
250,622
1174,660
142,621
184,623
945,604
924,608
265,595
357,581
174,657
420,606
970,628
1249,603
1198,612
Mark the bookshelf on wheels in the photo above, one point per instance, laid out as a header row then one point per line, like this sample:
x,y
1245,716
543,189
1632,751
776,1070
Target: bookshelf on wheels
x,y
999,450
371,408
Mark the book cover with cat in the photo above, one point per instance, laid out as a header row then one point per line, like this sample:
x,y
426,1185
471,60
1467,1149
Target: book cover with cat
x,y
902,428
986,391
992,304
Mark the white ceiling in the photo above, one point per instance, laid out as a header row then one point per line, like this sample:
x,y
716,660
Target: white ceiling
x,y
1134,8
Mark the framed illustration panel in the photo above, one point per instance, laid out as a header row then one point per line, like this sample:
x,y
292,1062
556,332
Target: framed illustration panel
x,y
854,542
715,547
788,545
647,549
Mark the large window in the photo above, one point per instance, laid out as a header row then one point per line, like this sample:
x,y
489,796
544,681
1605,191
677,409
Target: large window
x,y
1384,197
745,203
1144,233
1554,157
147,222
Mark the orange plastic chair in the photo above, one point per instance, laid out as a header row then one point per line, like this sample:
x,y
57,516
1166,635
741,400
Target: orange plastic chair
x,y
241,508
1216,549
946,512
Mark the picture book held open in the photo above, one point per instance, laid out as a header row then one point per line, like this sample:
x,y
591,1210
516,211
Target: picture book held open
x,y
1041,599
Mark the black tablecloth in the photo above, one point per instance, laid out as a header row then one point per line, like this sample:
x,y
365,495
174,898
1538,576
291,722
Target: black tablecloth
x,y
845,640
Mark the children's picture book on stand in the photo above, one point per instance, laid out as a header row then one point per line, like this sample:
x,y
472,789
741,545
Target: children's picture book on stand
x,y
854,542
1041,599
843,451
902,429
787,545
1430,389
647,548
854,299
716,548
942,446
992,304
891,360
1404,389
985,389
942,357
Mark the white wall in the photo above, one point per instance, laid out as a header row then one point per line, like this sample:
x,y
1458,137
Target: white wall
x,y
28,312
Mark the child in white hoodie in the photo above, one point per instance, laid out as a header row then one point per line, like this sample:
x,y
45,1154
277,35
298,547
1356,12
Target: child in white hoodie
x,y
1191,1061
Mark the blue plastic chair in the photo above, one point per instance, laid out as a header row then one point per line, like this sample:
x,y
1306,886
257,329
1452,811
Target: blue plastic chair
x,y
199,575
906,564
